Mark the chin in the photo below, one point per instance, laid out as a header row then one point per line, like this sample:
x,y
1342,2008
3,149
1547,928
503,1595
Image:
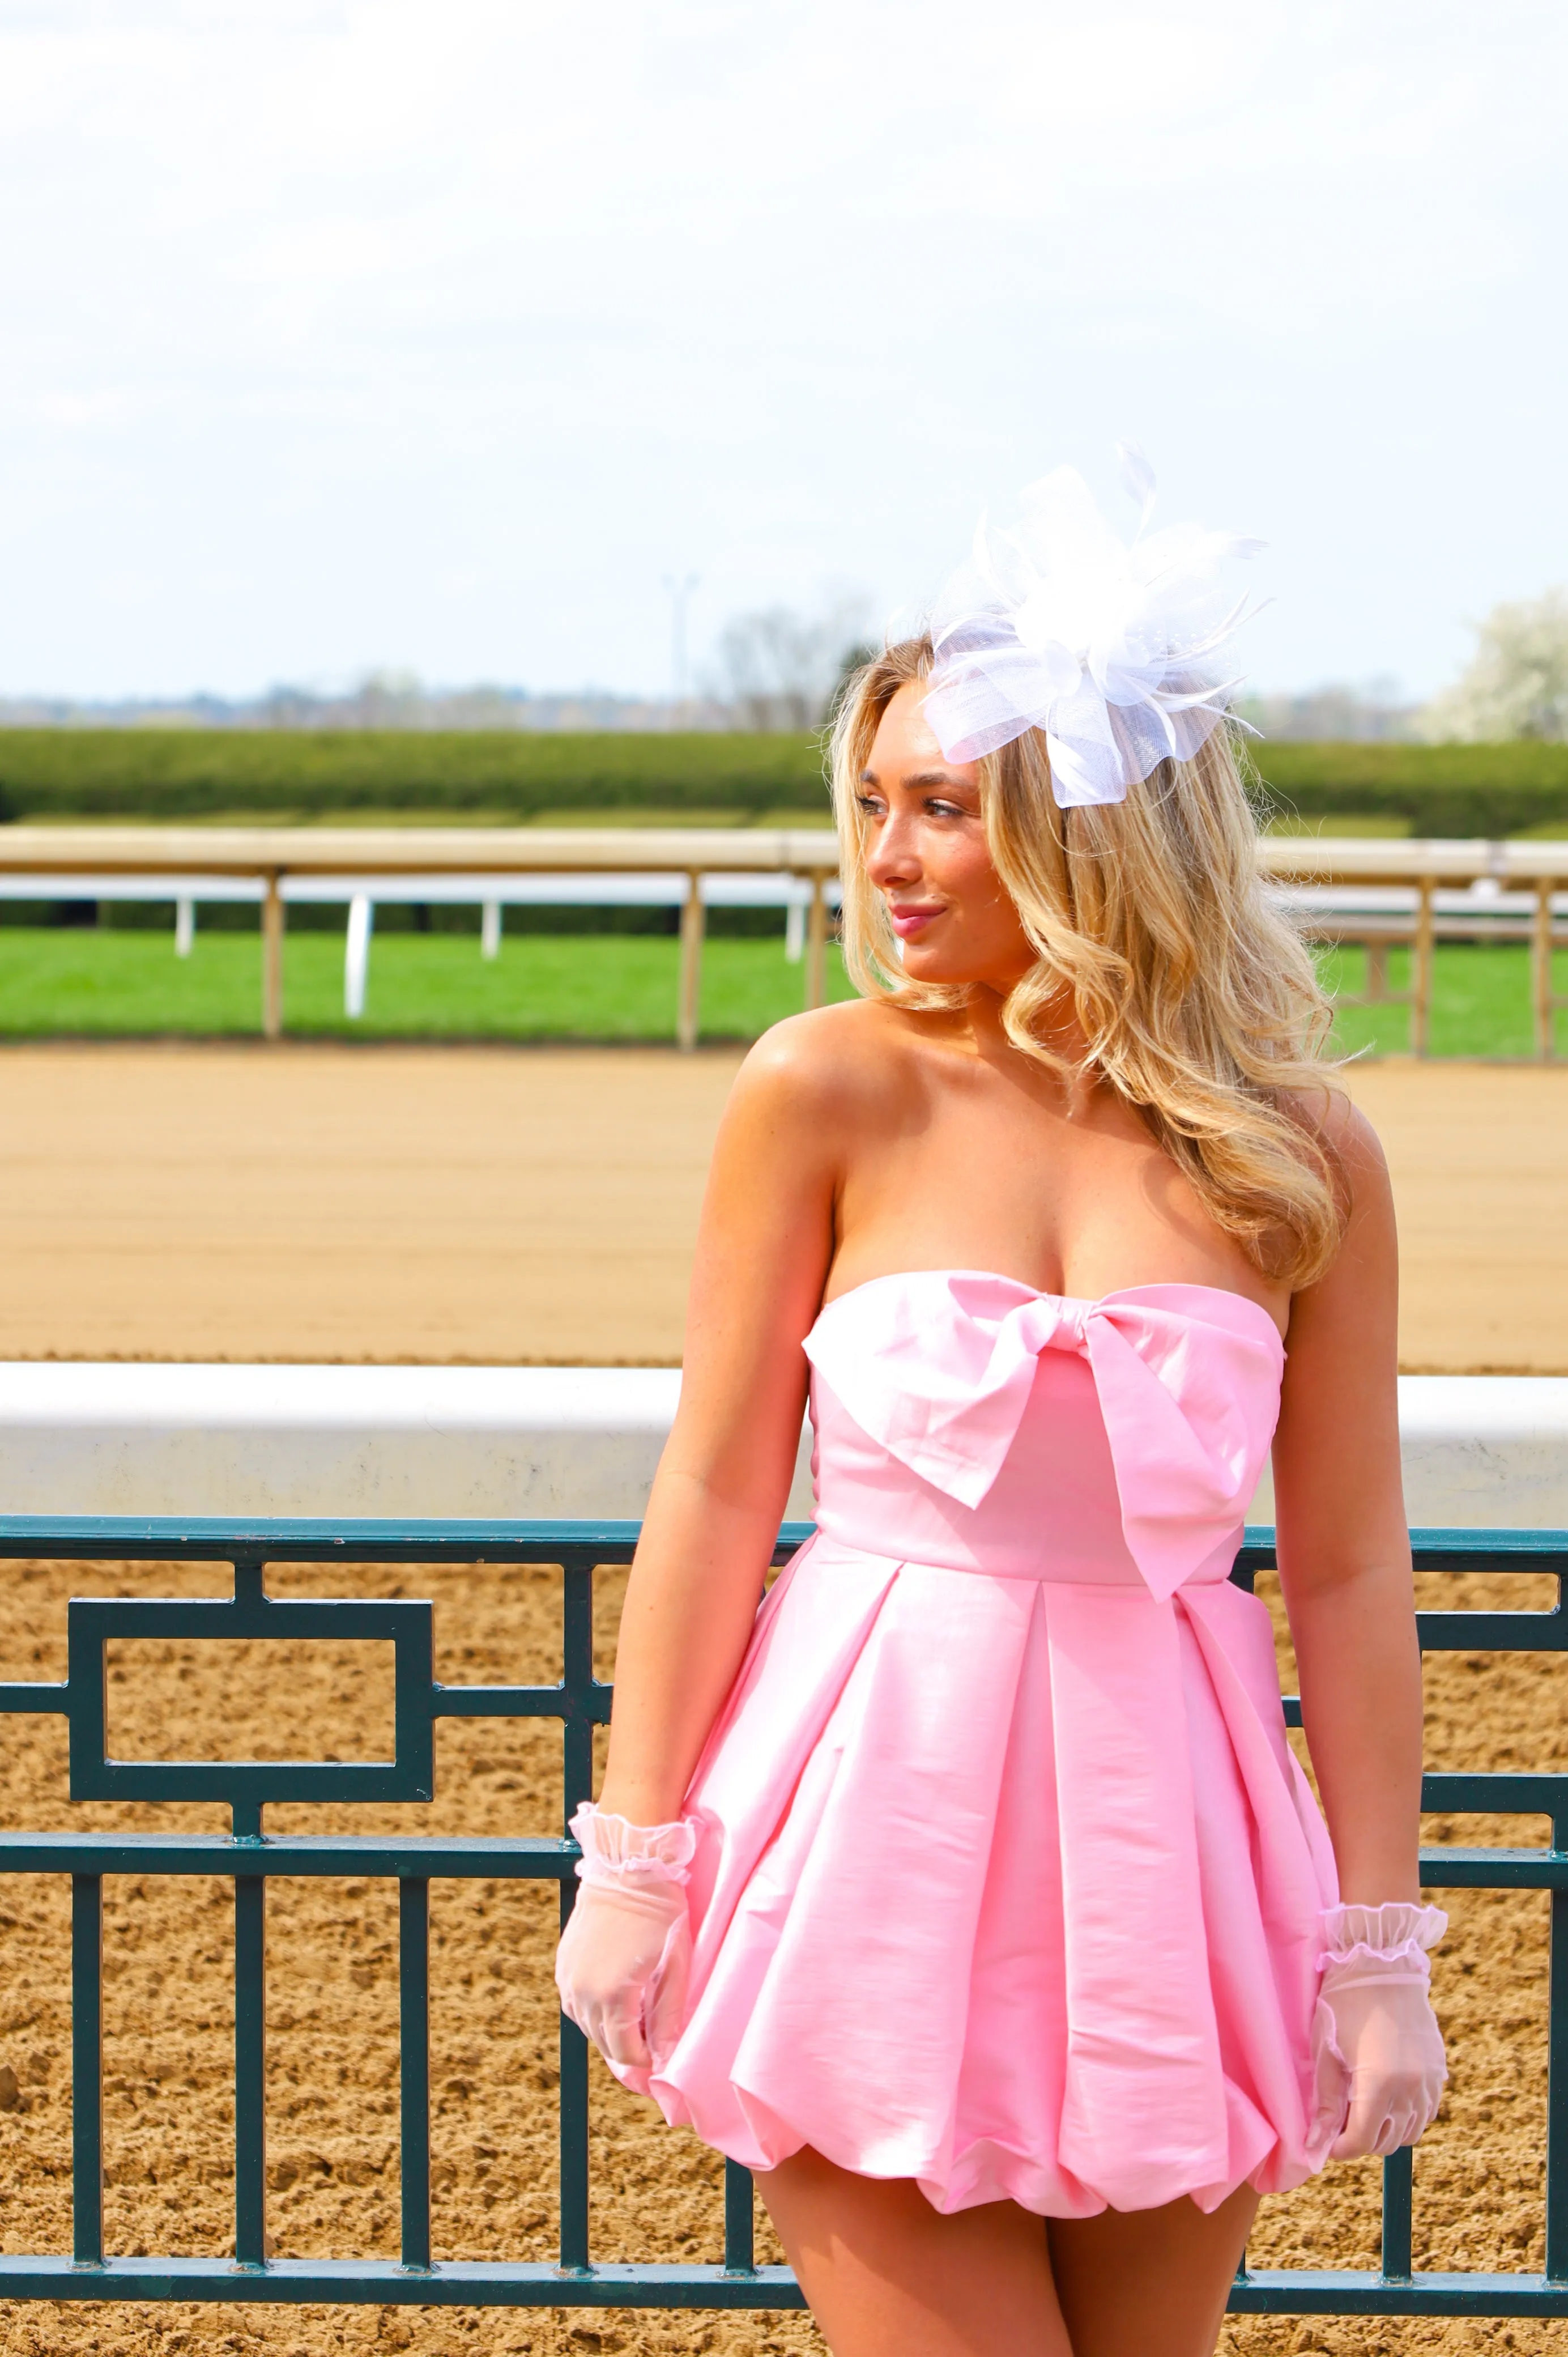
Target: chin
x,y
927,965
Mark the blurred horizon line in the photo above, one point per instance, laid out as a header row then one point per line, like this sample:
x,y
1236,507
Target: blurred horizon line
x,y
1372,712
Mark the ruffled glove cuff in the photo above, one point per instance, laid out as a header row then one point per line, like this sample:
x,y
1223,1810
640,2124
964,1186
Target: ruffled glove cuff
x,y
615,1851
1391,1941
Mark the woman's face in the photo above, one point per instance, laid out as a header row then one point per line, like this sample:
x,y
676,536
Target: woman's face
x,y
925,852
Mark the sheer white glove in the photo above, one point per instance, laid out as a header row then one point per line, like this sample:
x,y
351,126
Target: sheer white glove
x,y
625,1955
1376,2047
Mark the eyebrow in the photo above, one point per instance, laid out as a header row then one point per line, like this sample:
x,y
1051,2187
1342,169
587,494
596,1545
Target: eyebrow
x,y
921,778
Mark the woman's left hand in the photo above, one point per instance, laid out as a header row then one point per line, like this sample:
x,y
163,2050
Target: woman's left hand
x,y
621,1969
1376,2048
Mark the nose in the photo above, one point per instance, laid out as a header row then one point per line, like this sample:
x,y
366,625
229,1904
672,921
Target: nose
x,y
891,854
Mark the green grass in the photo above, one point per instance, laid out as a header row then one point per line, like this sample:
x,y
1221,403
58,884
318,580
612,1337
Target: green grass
x,y
594,986
1480,1001
545,985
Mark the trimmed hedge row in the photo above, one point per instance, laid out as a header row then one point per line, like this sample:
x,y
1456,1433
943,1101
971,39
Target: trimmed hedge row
x,y
1454,789
173,773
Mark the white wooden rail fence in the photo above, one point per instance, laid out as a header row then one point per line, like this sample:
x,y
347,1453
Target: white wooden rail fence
x,y
488,864
1346,888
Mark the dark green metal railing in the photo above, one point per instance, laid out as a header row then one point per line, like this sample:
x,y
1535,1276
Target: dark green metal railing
x,y
580,1702
1395,2289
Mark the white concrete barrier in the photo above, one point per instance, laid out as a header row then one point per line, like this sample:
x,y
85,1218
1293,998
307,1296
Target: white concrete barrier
x,y
129,1438
487,1442
1480,1452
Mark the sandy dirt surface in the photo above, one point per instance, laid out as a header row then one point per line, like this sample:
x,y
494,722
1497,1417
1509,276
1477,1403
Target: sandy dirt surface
x,y
1479,1158
465,1204
506,1205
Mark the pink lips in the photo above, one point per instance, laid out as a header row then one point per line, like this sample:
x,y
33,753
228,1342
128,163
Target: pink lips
x,y
907,923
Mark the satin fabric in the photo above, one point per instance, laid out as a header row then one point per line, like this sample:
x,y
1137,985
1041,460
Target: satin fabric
x,y
1006,1879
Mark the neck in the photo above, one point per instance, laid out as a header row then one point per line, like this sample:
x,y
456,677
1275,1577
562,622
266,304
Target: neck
x,y
1056,1026
1055,1022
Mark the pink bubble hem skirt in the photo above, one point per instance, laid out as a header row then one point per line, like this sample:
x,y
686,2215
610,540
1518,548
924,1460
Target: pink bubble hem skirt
x,y
1026,1906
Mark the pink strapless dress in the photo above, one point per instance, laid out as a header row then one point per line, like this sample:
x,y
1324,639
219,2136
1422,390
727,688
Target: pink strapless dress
x,y
1006,1878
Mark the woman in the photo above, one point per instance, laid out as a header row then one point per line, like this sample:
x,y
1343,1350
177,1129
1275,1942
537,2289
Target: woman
x,y
970,1892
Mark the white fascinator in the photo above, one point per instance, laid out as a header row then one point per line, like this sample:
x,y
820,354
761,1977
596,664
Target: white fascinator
x,y
1056,623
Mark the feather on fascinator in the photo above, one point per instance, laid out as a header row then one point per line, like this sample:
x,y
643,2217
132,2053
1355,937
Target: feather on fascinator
x,y
1058,624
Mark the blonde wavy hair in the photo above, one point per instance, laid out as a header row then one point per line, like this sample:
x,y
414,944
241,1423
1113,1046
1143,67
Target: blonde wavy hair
x,y
1197,999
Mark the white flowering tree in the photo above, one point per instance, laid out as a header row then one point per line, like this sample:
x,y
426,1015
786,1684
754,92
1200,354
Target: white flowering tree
x,y
1517,680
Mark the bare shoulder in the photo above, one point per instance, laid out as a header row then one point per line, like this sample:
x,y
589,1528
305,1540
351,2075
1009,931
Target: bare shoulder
x,y
803,1103
833,1066
1329,1115
1364,1271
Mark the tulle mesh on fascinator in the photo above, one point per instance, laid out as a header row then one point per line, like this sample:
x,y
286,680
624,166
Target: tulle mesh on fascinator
x,y
1056,624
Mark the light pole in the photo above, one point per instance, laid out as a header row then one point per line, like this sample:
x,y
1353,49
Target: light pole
x,y
680,593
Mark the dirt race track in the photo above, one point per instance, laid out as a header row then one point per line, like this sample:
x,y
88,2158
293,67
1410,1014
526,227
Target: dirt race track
x,y
497,1206
487,1206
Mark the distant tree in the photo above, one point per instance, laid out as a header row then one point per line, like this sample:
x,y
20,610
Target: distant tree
x,y
1517,680
1333,713
386,699
854,658
781,668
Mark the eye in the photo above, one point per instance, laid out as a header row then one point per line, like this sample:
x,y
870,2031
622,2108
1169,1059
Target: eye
x,y
871,806
938,808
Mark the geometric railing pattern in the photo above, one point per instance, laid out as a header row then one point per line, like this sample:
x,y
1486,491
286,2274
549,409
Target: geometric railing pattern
x,y
579,1702
1394,2290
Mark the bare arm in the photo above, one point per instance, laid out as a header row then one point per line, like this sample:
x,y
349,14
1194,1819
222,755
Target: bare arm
x,y
1344,1550
763,1251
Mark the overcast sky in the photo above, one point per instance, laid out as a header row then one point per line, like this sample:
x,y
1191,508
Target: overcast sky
x,y
433,333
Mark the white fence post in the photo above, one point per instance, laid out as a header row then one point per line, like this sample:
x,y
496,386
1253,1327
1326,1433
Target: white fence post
x,y
357,954
184,925
490,929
